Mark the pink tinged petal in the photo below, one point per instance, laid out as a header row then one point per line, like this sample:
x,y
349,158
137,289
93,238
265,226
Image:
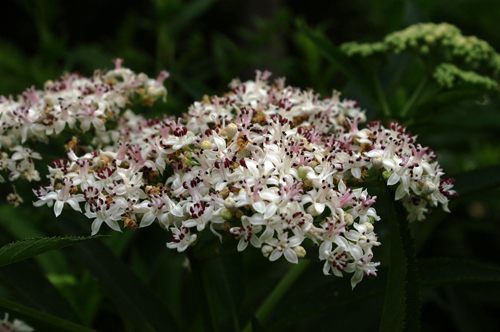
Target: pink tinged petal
x,y
393,179
291,256
58,208
275,255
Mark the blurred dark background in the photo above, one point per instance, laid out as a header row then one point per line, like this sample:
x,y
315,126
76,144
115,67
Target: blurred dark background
x,y
204,44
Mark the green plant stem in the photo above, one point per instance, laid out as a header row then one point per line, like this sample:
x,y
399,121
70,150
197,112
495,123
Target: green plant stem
x,y
414,96
381,95
266,308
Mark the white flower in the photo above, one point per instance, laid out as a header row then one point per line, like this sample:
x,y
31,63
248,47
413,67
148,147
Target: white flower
x,y
362,236
104,209
246,233
182,238
61,196
284,246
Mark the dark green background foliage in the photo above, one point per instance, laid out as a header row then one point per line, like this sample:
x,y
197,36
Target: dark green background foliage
x,y
132,282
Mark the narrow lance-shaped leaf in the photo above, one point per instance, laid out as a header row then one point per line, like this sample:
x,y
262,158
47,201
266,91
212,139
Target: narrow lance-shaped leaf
x,y
28,285
41,319
130,296
24,249
402,300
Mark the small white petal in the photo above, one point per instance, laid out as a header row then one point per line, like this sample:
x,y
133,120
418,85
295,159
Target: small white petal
x,y
291,256
275,255
58,207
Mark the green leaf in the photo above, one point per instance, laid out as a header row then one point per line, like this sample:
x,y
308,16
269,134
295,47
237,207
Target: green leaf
x,y
130,296
27,226
24,249
29,287
402,300
439,97
448,271
41,319
480,179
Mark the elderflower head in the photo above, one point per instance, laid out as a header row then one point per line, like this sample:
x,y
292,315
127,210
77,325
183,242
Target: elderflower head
x,y
71,102
273,165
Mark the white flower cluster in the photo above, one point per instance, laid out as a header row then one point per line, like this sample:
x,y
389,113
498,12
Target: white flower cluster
x,y
272,165
73,102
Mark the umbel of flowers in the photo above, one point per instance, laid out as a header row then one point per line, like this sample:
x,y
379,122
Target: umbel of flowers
x,y
271,164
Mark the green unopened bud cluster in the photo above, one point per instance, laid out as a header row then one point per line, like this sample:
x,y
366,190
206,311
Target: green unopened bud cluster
x,y
453,56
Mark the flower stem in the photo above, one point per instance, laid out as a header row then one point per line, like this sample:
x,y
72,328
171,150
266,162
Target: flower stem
x,y
266,308
414,96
